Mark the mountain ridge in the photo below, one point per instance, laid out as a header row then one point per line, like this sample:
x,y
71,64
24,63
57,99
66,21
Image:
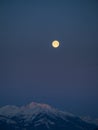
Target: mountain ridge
x,y
37,116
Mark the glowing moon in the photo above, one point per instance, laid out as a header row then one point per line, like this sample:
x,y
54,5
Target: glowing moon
x,y
55,44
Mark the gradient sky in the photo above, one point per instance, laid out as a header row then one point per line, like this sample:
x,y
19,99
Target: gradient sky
x,y
32,70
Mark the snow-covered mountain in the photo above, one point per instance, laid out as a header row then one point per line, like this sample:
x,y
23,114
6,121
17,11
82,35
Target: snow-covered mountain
x,y
36,116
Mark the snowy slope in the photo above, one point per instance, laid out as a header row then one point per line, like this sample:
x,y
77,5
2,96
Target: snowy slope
x,y
36,116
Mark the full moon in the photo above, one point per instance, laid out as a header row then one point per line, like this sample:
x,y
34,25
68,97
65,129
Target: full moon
x,y
55,44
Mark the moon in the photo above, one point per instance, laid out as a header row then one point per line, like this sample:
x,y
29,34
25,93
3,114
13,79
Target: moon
x,y
55,44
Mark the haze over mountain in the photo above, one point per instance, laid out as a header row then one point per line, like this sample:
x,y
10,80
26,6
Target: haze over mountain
x,y
36,116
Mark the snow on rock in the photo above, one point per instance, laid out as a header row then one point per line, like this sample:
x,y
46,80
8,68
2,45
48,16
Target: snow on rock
x,y
36,115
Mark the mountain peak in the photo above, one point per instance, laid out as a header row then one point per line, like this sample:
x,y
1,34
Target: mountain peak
x,y
37,116
43,106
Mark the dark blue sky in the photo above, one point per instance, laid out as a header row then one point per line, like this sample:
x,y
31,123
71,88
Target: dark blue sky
x,y
31,70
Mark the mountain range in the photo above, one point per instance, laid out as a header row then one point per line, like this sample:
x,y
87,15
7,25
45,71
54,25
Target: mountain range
x,y
36,116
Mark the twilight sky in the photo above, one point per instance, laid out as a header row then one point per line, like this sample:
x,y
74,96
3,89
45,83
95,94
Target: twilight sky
x,y
32,70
